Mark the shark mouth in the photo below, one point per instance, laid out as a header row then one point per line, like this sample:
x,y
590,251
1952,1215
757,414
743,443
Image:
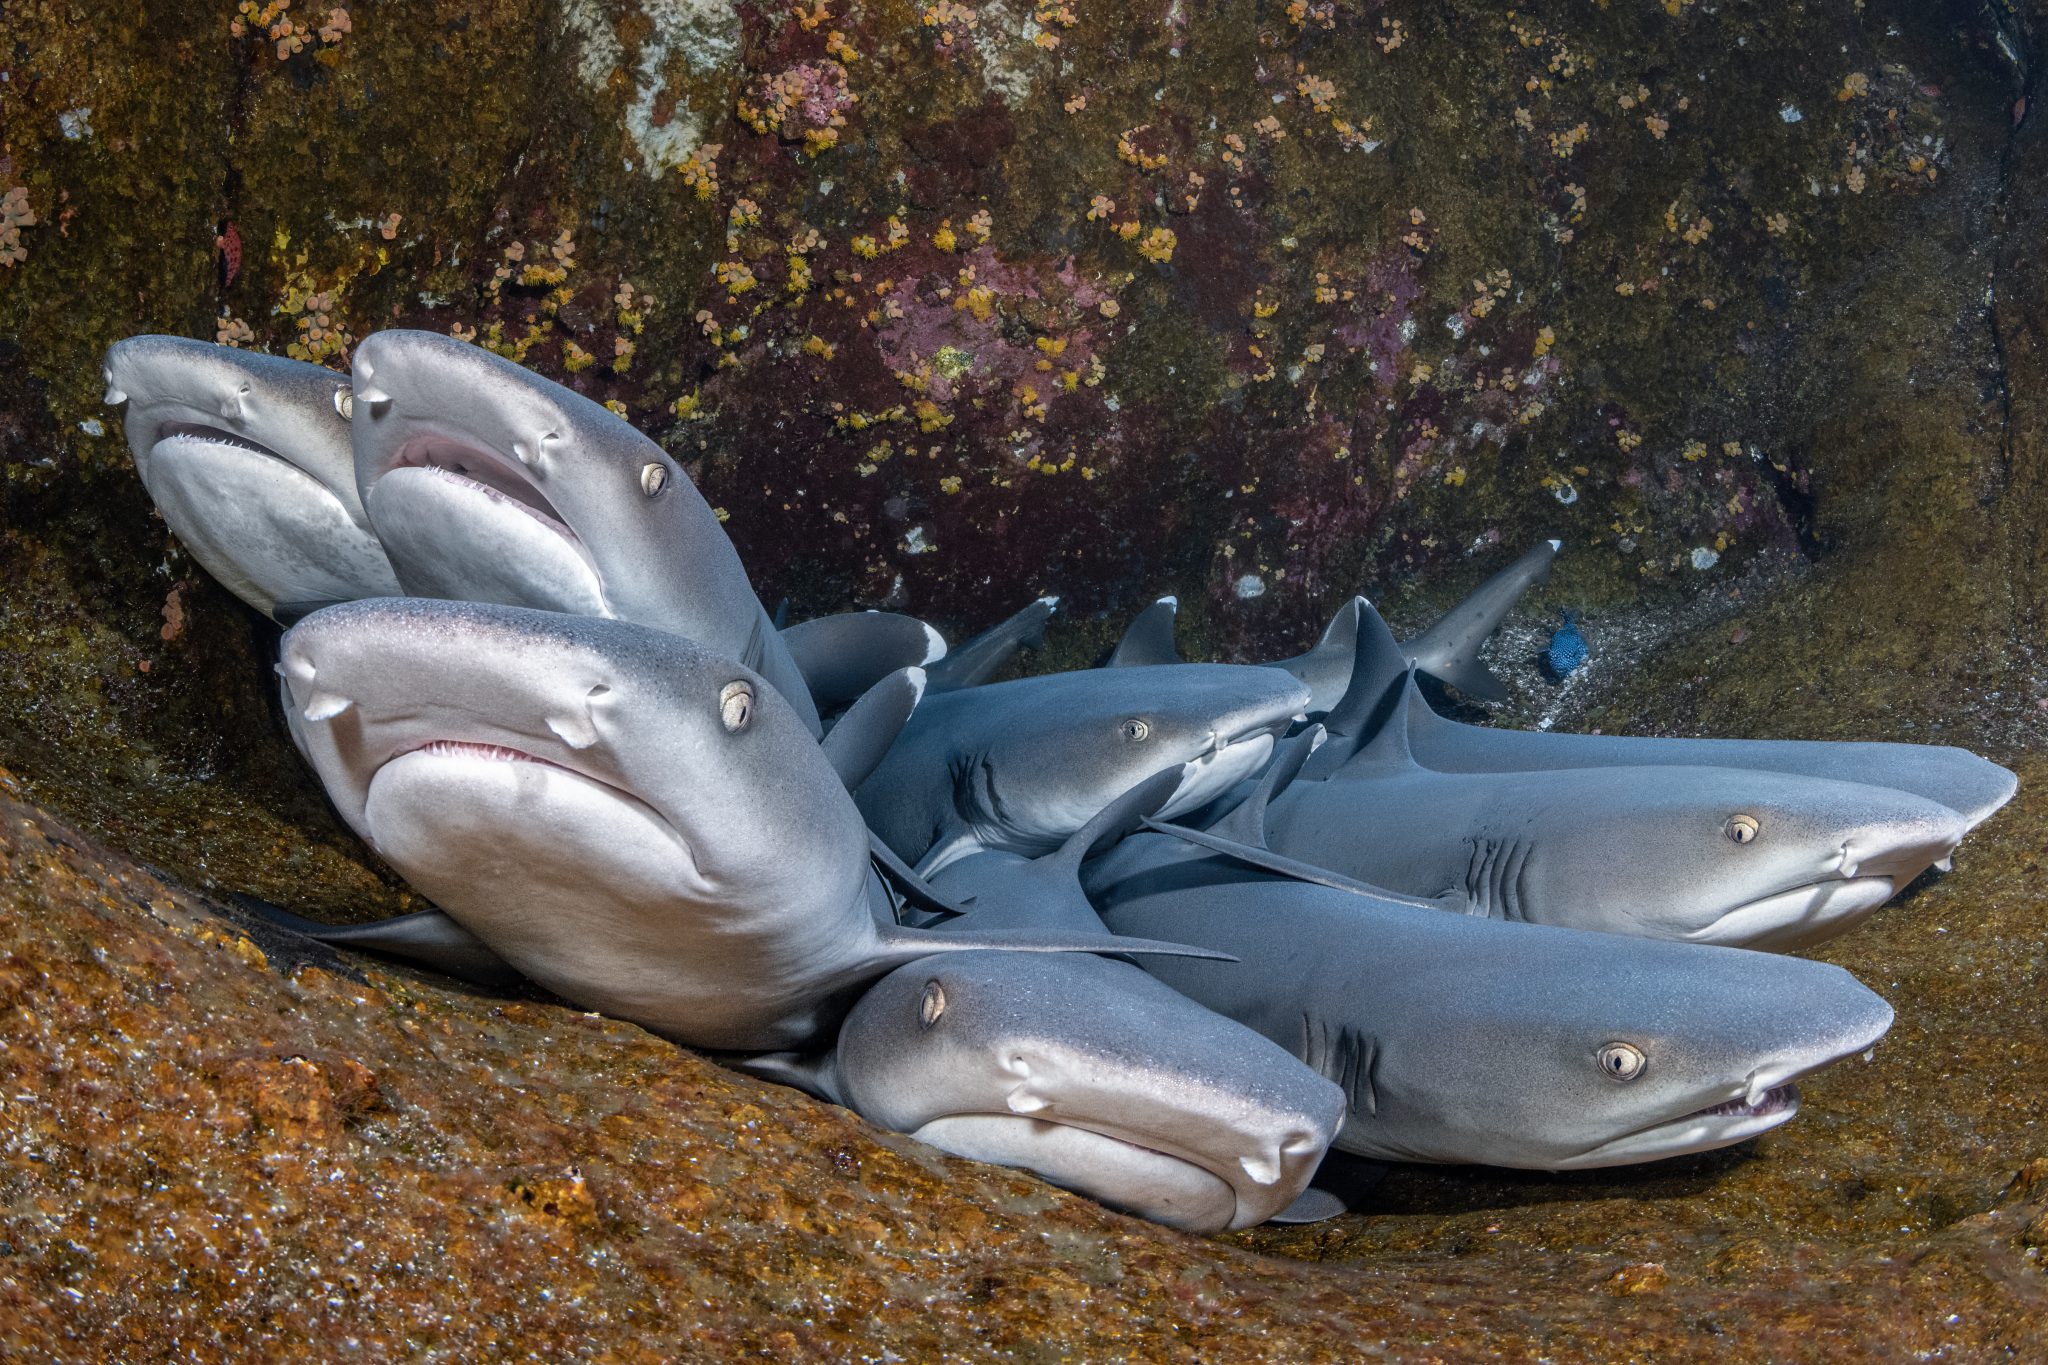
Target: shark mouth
x,y
500,479
1800,917
1114,1170
1227,763
1779,1099
1702,1130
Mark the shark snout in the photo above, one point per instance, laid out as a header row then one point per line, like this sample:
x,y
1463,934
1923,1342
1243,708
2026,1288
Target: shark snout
x,y
1902,849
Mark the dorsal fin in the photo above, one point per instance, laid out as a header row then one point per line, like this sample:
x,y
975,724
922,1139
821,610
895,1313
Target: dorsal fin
x,y
858,743
1386,750
1376,662
975,662
1377,665
1247,823
1149,638
843,656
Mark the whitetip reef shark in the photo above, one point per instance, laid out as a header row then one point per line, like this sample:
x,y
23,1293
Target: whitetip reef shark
x,y
248,457
1470,1040
1743,857
1020,766
1971,786
635,823
486,482
1083,1069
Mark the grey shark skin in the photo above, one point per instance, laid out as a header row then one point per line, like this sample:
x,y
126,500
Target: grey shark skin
x,y
978,660
1733,856
642,827
1467,1040
1019,766
1973,787
486,482
248,458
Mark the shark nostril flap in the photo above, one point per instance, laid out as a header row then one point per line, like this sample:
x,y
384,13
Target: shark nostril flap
x,y
1264,1169
326,706
575,731
1022,1101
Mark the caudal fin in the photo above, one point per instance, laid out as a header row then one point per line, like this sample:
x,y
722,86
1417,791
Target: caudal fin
x,y
1449,650
975,662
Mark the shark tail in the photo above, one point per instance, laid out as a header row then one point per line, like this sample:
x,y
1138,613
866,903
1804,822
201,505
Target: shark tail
x,y
1449,649
975,662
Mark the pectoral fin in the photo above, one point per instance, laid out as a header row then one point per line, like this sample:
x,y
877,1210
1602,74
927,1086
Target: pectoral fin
x,y
1268,861
902,945
427,939
1313,1206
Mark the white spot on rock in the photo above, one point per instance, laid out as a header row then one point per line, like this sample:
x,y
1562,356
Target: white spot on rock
x,y
705,32
1250,586
1704,558
76,123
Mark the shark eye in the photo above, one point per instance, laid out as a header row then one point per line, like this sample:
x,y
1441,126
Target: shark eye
x,y
736,706
932,1005
345,402
1622,1061
1135,729
1742,828
653,478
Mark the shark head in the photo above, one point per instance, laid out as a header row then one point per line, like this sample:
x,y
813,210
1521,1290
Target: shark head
x,y
1708,855
1025,764
1094,1075
1556,1049
248,458
489,483
611,808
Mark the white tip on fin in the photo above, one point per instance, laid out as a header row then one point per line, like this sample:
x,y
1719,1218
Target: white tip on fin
x,y
1053,602
1170,600
1557,545
934,645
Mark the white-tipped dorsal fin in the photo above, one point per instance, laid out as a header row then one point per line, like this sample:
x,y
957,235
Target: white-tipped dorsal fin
x,y
860,740
1149,638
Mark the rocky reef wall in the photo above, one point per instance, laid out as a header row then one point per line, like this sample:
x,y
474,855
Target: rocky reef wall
x,y
949,304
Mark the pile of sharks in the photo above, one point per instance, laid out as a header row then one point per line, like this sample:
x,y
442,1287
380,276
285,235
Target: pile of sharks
x,y
1163,932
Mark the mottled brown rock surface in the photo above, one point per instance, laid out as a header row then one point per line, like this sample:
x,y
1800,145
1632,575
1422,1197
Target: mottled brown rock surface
x,y
948,304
